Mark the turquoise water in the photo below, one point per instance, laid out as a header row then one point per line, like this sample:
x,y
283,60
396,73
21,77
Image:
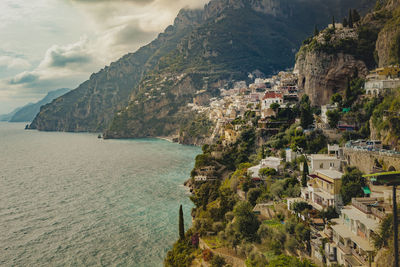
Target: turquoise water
x,y
75,200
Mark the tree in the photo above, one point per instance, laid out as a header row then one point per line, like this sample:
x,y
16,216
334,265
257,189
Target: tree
x,y
304,174
350,19
345,22
253,195
245,223
329,213
337,98
384,235
306,115
333,118
265,172
333,23
181,224
275,106
316,31
352,184
356,16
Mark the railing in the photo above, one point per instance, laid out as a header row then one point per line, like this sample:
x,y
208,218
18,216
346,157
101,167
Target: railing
x,y
361,206
359,257
378,213
345,249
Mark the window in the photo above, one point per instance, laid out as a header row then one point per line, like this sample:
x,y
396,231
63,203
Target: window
x,y
321,166
331,164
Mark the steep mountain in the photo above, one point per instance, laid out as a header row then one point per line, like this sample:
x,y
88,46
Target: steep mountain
x,y
326,62
148,90
92,105
28,112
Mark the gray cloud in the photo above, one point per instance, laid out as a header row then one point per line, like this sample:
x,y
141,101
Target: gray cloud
x,y
63,56
62,60
23,78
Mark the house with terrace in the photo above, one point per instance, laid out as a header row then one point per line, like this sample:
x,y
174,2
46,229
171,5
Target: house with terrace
x,y
350,236
323,189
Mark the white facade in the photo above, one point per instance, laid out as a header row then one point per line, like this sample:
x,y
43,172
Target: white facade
x,y
271,162
324,162
290,155
377,87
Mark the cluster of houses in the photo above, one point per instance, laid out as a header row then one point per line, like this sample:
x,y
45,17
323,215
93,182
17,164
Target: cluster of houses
x,y
347,240
263,97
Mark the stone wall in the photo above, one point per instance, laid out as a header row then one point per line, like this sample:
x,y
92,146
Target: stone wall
x,y
365,160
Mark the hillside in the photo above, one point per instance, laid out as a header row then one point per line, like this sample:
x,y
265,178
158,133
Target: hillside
x,y
28,112
226,40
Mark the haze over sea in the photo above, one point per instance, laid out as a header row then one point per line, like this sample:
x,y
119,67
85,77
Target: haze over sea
x,y
75,200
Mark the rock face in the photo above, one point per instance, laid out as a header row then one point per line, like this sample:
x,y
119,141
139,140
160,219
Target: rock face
x,y
321,75
142,95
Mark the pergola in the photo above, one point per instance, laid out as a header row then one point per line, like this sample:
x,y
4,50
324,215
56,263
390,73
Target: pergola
x,y
390,179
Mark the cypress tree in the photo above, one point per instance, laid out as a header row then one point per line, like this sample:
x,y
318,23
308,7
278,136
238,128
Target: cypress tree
x,y
305,173
345,23
333,23
350,19
181,224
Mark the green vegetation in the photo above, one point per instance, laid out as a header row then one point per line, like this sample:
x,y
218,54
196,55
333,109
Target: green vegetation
x,y
306,115
386,118
352,184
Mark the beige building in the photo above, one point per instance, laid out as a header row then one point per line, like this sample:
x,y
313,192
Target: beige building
x,y
323,189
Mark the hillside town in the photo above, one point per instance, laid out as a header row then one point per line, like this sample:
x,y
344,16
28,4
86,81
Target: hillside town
x,y
343,232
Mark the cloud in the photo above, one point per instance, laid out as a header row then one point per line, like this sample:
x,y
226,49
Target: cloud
x,y
64,56
23,78
11,62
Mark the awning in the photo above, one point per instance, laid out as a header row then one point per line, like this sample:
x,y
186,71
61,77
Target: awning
x,y
367,191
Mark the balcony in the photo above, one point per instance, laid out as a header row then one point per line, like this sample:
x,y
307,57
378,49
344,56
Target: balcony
x,y
361,258
378,213
361,206
345,249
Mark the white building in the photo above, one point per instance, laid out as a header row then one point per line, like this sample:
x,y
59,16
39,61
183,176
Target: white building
x,y
324,162
290,155
270,162
271,98
378,87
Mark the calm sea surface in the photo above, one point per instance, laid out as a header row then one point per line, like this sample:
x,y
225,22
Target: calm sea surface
x,y
75,200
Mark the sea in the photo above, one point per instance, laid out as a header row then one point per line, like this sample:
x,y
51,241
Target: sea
x,y
71,199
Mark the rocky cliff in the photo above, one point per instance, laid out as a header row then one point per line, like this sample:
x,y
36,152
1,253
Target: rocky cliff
x,y
327,61
321,74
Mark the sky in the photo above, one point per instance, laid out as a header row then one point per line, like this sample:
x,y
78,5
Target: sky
x,y
51,44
